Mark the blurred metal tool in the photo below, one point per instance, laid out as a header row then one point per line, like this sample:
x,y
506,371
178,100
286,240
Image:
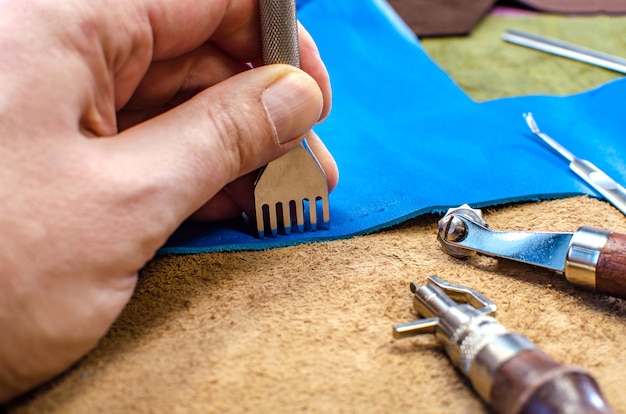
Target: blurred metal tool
x,y
563,49
590,258
505,368
290,186
592,175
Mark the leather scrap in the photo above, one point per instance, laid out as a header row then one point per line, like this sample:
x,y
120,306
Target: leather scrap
x,y
578,6
441,17
429,18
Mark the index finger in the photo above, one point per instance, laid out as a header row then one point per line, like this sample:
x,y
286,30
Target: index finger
x,y
179,26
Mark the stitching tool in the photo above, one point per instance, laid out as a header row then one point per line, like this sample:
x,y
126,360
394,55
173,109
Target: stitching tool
x,y
591,258
506,369
564,49
290,186
592,175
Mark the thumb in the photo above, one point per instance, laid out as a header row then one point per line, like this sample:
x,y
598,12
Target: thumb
x,y
192,151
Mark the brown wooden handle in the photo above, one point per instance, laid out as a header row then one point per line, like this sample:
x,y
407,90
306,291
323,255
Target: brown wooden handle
x,y
533,382
611,267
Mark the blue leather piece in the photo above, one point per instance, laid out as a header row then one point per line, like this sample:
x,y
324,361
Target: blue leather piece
x,y
408,141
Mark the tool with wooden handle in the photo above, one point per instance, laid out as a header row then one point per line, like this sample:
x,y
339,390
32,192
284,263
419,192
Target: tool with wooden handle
x,y
291,186
591,258
505,368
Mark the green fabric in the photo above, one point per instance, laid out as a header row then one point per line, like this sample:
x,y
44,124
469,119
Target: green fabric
x,y
498,69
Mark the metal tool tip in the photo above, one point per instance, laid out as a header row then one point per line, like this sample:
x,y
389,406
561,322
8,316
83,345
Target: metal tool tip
x,y
532,124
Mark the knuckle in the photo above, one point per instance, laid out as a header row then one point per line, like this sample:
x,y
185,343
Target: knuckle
x,y
241,135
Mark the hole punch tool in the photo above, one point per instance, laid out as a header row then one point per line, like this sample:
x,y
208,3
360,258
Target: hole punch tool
x,y
592,175
591,258
506,369
290,186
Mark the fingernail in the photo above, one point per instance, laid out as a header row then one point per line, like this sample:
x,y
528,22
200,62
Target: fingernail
x,y
294,104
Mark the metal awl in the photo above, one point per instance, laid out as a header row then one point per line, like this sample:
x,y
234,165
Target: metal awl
x,y
610,189
591,258
290,187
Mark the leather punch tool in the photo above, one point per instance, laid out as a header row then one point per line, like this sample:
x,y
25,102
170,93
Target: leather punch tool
x,y
288,189
591,258
505,368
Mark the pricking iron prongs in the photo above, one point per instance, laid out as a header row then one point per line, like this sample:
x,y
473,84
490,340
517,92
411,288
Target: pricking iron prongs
x,y
289,187
505,368
591,258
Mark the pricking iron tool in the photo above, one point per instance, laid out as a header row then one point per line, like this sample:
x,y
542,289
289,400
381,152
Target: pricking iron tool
x,y
591,258
506,369
287,186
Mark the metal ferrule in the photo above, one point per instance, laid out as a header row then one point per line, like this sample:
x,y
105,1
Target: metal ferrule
x,y
583,254
475,342
429,301
479,345
488,349
455,326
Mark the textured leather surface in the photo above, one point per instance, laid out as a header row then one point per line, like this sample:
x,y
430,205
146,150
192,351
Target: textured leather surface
x,y
459,17
441,17
408,141
578,6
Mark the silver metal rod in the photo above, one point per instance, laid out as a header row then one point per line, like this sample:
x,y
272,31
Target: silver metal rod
x,y
564,49
279,32
564,152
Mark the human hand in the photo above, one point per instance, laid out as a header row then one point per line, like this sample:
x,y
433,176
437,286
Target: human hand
x,y
120,119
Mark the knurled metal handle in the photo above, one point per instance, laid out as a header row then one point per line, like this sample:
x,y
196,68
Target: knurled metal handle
x,y
279,32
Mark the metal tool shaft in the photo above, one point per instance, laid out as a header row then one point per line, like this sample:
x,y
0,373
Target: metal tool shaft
x,y
560,149
279,32
546,250
564,49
